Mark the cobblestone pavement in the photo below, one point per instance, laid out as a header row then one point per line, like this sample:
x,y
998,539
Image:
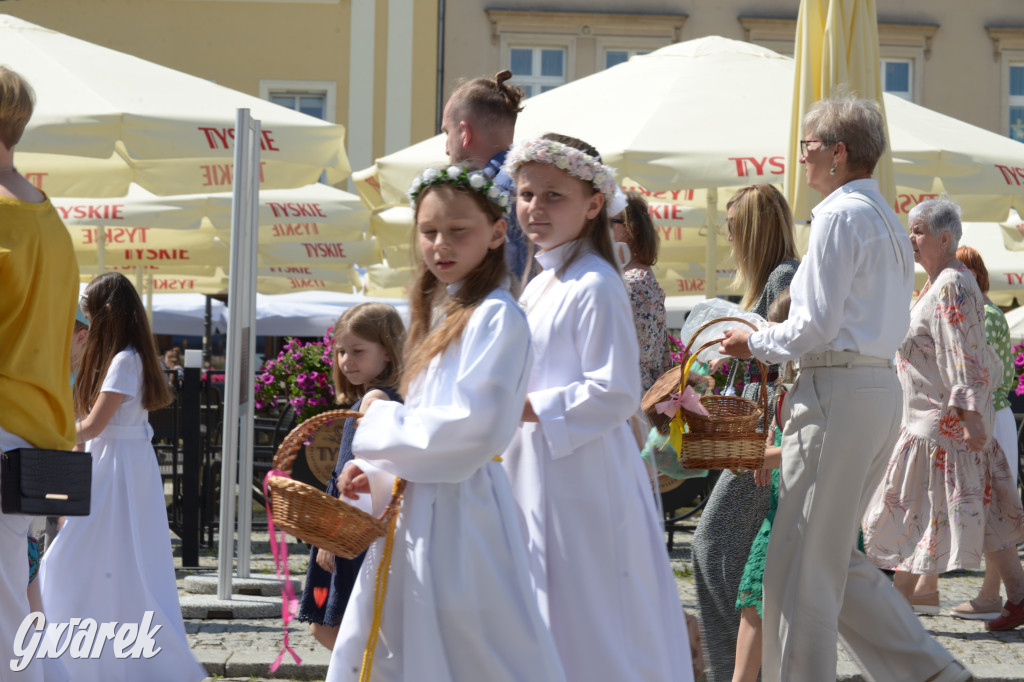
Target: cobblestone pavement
x,y
243,649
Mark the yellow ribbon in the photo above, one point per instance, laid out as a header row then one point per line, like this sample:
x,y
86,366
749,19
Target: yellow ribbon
x,y
378,597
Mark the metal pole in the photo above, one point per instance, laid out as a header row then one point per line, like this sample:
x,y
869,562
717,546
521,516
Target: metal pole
x,y
238,384
711,261
190,455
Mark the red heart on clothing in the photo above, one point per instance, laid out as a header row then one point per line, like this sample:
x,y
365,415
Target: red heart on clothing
x,y
320,595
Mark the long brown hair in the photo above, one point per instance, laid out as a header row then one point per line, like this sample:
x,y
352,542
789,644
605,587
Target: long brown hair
x,y
377,323
641,237
425,340
117,321
596,232
762,237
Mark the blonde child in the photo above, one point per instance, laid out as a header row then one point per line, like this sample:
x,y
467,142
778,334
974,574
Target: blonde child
x,y
367,367
748,640
115,565
459,604
596,546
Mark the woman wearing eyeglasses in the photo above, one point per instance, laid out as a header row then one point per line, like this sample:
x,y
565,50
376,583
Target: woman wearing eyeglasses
x,y
849,314
761,232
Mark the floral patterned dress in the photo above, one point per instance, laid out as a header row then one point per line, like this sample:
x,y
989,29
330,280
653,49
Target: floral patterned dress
x,y
940,506
647,299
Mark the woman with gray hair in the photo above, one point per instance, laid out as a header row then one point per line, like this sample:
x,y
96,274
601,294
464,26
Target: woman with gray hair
x,y
850,310
948,495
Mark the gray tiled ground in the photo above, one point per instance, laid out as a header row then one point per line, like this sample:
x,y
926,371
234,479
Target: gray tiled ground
x,y
243,649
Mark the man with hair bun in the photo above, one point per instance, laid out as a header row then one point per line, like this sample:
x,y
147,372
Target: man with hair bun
x,y
479,121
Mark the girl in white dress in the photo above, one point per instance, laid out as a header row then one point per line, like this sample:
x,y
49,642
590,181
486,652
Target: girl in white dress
x,y
115,565
459,605
596,546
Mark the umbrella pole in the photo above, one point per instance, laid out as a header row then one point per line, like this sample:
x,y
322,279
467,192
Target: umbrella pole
x,y
149,299
101,250
207,329
711,253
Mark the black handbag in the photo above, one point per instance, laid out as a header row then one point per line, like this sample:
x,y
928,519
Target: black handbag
x,y
39,482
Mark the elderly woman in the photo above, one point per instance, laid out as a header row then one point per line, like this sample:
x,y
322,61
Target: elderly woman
x,y
849,312
947,495
987,605
760,228
634,228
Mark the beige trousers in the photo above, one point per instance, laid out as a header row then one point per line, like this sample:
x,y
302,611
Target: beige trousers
x,y
840,429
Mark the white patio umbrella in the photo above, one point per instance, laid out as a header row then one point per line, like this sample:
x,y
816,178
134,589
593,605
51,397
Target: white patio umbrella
x,y
714,113
309,237
104,119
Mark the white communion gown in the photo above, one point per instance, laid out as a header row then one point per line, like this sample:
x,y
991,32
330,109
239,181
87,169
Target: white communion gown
x,y
459,605
596,546
116,563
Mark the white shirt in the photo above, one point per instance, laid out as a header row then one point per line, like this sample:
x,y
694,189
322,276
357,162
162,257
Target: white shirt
x,y
849,292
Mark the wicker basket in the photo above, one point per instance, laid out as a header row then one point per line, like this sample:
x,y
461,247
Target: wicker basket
x,y
727,438
313,516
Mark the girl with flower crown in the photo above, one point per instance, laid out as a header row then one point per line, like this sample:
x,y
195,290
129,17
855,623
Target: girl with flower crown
x,y
596,546
459,603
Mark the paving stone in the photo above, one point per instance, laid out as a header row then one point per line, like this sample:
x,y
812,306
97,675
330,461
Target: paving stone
x,y
243,648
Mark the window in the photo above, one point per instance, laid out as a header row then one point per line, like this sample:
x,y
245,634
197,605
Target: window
x,y
614,57
1008,44
537,69
314,98
898,78
1017,102
547,48
312,104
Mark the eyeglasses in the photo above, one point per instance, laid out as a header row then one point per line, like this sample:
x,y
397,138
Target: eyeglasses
x,y
821,145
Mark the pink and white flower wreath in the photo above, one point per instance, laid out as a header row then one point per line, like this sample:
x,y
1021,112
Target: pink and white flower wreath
x,y
575,162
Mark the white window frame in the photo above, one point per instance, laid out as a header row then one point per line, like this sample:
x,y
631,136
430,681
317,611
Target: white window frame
x,y
631,46
536,79
581,34
327,89
1014,58
906,94
538,43
1008,50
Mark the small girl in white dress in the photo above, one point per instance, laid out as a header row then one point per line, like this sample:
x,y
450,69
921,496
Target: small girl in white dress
x,y
459,604
596,545
115,565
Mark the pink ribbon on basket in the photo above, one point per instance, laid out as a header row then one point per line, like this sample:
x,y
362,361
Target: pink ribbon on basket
x,y
289,602
688,398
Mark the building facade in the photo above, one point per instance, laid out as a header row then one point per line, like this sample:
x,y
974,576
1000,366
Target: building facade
x,y
965,60
370,65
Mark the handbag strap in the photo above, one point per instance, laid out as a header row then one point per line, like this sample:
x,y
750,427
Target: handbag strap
x,y
885,219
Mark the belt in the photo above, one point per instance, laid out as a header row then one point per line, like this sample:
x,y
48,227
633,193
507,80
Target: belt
x,y
144,431
841,358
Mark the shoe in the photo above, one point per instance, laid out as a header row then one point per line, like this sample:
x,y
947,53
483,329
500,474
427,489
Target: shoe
x,y
1011,617
926,604
954,672
975,610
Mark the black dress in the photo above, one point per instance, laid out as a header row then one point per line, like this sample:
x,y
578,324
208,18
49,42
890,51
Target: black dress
x,y
339,583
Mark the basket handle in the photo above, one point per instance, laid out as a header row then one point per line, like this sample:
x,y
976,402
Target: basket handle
x,y
684,375
289,448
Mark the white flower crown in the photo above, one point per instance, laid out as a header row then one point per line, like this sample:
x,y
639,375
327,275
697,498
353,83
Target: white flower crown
x,y
575,162
460,176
